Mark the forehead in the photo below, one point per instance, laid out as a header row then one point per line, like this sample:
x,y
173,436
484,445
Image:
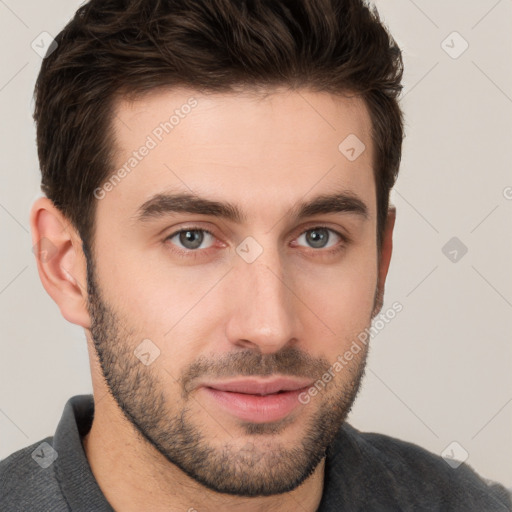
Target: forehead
x,y
244,147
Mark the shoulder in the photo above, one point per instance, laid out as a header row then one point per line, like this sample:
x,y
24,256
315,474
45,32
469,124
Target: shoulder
x,y
27,479
423,479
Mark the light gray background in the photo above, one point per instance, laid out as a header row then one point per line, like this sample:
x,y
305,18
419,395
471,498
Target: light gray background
x,y
441,370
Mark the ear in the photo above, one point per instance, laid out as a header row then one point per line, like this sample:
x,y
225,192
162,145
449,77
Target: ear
x,y
60,260
385,258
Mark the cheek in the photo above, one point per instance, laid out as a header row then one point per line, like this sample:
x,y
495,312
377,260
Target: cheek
x,y
341,297
152,295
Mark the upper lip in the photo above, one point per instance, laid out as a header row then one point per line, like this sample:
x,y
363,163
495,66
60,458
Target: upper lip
x,y
260,387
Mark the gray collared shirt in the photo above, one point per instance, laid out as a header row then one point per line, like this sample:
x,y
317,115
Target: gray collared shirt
x,y
363,472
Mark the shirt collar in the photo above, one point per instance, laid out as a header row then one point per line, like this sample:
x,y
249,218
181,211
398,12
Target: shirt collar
x,y
76,480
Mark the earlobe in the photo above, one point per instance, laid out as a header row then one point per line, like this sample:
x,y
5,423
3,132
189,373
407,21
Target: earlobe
x,y
60,260
385,258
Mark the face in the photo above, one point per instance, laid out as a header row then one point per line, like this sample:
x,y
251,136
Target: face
x,y
260,269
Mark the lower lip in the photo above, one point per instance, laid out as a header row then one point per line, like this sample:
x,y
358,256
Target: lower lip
x,y
257,408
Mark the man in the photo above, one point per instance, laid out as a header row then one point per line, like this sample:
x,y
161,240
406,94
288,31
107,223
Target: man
x,y
216,217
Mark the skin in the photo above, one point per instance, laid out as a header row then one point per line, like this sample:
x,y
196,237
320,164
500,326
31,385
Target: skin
x,y
158,441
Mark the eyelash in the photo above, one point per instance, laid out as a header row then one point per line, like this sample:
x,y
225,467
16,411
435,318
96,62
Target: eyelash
x,y
195,253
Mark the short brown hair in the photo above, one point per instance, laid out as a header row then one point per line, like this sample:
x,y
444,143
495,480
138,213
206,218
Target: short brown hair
x,y
112,48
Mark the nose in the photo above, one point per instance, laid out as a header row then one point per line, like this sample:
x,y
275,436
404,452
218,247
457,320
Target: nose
x,y
264,315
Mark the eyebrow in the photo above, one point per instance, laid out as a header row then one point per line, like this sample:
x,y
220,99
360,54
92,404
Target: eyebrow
x,y
161,205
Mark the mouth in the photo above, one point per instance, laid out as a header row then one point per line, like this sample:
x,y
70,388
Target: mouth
x,y
260,387
255,400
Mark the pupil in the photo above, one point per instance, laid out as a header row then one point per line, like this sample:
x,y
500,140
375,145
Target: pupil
x,y
191,239
318,237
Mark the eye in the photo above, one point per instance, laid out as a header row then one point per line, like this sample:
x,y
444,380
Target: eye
x,y
320,237
191,238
